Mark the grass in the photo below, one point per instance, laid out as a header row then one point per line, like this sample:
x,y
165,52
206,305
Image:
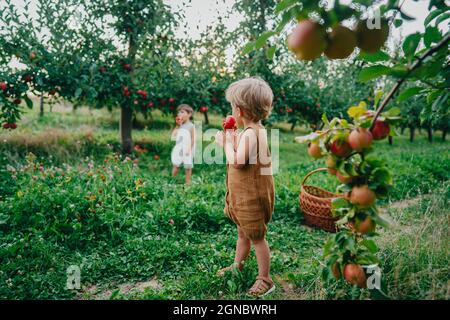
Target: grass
x,y
137,233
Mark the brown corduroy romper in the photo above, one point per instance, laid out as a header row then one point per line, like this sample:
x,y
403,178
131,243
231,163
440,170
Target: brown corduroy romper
x,y
250,196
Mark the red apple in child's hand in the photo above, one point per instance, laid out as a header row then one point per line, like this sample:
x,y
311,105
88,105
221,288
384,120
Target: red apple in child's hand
x,y
178,120
229,123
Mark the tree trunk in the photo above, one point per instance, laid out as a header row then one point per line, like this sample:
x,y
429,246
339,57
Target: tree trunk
x,y
391,140
206,117
126,112
411,134
293,125
430,134
41,106
126,118
444,134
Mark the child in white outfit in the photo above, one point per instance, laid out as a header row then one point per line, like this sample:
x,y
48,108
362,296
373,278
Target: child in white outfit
x,y
184,135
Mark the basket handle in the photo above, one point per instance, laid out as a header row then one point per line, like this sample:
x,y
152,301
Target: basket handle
x,y
311,173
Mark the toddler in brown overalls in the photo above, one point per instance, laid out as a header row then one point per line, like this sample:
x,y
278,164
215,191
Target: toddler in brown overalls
x,y
249,200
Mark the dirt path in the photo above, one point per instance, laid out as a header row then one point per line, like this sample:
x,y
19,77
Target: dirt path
x,y
94,293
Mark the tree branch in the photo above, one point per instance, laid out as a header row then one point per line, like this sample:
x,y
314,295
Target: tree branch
x,y
416,65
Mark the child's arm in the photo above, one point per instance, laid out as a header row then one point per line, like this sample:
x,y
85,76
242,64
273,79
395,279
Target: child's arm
x,y
192,130
174,134
238,155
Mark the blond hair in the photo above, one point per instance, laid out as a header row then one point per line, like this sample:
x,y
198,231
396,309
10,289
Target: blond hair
x,y
253,96
186,108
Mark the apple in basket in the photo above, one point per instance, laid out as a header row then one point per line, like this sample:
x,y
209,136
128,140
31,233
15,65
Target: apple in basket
x,y
229,123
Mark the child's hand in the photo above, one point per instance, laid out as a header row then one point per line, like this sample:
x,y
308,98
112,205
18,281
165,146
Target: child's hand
x,y
230,137
220,138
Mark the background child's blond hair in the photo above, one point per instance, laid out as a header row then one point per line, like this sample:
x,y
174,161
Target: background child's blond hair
x,y
253,96
186,108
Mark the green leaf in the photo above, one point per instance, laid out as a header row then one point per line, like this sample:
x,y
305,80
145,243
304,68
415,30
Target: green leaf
x,y
114,294
438,102
393,112
399,71
432,35
398,23
408,93
406,17
433,14
271,52
28,102
370,245
382,175
378,96
261,41
349,244
284,4
373,72
374,57
380,221
338,203
411,43
356,111
433,95
366,259
249,47
442,18
325,120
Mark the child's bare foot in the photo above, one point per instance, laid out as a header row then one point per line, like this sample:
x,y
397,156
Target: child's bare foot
x,y
262,286
235,265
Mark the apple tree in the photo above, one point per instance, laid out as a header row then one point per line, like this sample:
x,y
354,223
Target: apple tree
x,y
348,145
87,51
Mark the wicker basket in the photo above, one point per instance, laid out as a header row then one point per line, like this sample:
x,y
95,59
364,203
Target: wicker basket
x,y
316,205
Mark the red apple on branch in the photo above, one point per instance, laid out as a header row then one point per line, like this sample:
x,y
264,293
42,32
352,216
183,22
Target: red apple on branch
x,y
314,150
142,93
340,148
362,196
360,139
354,274
308,40
380,130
